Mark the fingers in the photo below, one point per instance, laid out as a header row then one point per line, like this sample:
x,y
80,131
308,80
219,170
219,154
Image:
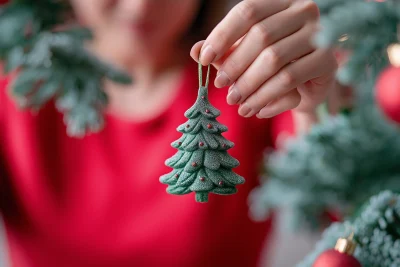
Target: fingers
x,y
260,36
270,61
235,25
262,48
195,52
295,74
289,101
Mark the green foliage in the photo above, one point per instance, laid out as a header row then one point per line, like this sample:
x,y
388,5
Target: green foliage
x,y
376,230
54,64
202,163
339,165
365,28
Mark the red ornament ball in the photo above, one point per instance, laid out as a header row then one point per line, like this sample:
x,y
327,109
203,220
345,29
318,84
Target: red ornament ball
x,y
176,176
221,183
209,126
194,164
333,258
388,93
201,144
202,179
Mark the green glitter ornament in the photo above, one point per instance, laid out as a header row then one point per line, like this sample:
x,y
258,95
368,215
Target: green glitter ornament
x,y
202,165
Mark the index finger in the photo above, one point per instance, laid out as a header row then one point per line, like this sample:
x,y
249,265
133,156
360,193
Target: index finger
x,y
236,24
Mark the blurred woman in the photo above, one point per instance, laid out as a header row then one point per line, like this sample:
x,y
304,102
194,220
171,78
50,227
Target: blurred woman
x,y
97,201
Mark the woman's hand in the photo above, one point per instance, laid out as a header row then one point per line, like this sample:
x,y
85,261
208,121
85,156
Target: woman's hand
x,y
263,51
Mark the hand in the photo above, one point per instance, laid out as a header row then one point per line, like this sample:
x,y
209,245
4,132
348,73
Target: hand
x,y
263,50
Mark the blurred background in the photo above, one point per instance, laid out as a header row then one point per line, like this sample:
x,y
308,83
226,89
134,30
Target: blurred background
x,y
287,250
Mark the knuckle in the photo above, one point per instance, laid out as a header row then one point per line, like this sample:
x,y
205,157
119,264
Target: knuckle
x,y
247,10
262,32
222,38
272,56
310,8
287,78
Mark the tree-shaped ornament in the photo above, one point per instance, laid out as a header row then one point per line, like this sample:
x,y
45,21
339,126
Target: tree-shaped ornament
x,y
202,165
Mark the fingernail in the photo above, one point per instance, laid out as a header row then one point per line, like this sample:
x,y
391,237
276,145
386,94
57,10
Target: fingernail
x,y
207,55
245,110
233,97
230,88
222,80
265,113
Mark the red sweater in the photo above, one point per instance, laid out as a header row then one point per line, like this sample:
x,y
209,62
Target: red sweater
x,y
97,201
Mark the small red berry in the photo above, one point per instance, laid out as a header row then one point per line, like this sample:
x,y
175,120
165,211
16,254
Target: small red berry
x,y
207,111
209,126
194,164
201,144
202,179
221,183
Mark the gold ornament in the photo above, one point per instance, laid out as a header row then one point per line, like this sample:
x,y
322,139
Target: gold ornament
x,y
346,245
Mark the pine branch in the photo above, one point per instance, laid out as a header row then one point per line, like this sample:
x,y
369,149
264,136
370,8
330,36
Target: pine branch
x,y
337,166
365,28
54,64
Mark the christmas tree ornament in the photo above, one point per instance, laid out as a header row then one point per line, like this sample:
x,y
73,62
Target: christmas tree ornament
x,y
202,164
341,256
388,84
388,93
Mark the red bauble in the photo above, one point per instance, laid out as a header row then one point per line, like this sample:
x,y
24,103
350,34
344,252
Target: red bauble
x,y
388,93
333,258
